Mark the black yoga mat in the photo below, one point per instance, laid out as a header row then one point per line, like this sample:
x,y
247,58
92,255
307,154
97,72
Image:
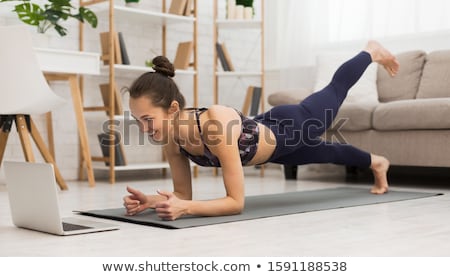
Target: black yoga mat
x,y
270,205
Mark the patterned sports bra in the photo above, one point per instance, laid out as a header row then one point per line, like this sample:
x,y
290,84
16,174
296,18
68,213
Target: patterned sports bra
x,y
247,142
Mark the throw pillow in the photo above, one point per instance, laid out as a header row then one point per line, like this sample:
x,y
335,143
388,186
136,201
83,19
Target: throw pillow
x,y
435,82
364,91
287,97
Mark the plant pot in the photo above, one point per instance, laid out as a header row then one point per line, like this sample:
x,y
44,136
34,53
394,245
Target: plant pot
x,y
132,5
41,40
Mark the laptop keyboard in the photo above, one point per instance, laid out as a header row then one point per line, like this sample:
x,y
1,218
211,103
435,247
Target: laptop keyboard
x,y
73,227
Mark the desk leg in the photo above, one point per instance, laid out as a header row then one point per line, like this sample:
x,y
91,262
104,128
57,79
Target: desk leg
x,y
3,141
48,157
24,136
82,130
51,141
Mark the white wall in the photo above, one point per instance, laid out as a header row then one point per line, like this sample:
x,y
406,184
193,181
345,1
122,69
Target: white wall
x,y
143,42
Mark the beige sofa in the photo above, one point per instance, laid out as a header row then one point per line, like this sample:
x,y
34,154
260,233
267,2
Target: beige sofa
x,y
410,122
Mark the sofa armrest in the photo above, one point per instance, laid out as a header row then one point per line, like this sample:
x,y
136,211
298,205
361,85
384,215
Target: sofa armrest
x,y
283,97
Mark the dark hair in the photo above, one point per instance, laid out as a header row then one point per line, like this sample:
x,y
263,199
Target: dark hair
x,y
158,86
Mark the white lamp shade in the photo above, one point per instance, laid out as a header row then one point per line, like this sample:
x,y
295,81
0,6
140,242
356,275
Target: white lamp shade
x,y
23,88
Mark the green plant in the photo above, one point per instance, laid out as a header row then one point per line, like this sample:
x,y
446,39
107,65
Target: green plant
x,y
50,14
132,1
245,3
149,63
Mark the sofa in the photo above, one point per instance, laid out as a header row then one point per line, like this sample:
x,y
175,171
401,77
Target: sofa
x,y
405,118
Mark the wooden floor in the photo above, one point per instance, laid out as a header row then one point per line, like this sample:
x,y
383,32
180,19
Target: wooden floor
x,y
407,228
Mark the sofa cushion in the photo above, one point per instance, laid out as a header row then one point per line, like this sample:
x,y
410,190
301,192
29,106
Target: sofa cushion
x,y
435,81
354,117
406,83
287,97
365,90
417,114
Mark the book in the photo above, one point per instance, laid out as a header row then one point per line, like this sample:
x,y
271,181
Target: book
x,y
224,57
105,141
256,101
183,55
227,56
252,101
118,109
177,7
117,51
188,9
221,57
123,50
104,42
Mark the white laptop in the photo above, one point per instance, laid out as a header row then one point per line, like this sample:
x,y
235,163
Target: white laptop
x,y
33,198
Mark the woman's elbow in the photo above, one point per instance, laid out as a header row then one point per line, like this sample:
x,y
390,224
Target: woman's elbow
x,y
238,208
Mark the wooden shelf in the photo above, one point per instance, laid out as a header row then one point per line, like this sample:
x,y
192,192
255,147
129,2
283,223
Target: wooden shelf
x,y
136,166
238,74
221,55
56,60
236,25
134,70
239,24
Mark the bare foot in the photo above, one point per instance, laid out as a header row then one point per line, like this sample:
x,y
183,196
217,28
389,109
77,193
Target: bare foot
x,y
379,166
382,56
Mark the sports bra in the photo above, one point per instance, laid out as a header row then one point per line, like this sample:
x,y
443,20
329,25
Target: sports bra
x,y
247,142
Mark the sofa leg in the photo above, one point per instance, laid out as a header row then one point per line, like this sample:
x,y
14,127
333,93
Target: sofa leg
x,y
290,172
351,172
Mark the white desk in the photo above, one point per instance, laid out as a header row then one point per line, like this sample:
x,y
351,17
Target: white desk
x,y
63,65
64,61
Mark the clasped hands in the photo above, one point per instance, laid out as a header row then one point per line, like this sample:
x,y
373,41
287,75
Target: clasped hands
x,y
167,207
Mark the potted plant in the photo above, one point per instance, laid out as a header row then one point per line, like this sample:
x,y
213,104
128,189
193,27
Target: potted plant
x,y
246,4
50,14
132,3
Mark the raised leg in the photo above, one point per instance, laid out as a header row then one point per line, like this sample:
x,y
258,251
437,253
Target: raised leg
x,y
382,56
323,106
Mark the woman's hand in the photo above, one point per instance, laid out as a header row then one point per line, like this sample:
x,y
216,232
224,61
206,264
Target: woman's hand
x,y
172,208
136,202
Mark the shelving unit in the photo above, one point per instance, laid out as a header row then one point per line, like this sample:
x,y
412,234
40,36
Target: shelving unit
x,y
118,13
236,25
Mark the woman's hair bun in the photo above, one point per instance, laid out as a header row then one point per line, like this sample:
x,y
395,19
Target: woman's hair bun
x,y
163,66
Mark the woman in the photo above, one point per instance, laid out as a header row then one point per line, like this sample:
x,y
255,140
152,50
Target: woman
x,y
221,136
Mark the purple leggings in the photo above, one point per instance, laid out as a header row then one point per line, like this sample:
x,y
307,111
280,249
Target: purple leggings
x,y
298,127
